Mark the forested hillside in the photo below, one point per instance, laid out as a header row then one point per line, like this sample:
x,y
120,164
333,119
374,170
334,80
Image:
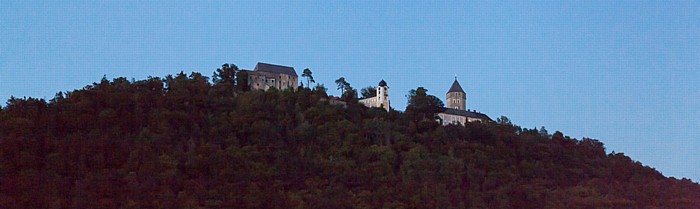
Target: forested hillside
x,y
185,142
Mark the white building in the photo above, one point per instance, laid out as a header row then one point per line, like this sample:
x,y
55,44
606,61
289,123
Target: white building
x,y
382,98
456,112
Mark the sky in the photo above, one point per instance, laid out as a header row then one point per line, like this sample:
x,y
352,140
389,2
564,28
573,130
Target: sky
x,y
624,72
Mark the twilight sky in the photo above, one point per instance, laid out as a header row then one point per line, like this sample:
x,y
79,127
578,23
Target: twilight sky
x,y
625,72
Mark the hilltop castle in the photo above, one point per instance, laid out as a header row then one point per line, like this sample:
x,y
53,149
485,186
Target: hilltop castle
x,y
456,112
266,76
381,99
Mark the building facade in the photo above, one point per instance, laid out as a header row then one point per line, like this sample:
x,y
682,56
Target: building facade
x,y
382,98
456,97
456,111
266,76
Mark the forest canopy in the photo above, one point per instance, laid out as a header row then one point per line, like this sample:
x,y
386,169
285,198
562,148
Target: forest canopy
x,y
184,142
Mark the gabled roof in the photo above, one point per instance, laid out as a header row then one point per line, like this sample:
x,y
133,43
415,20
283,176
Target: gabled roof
x,y
468,114
264,67
456,87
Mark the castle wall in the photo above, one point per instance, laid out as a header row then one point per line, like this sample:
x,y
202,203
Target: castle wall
x,y
457,100
381,100
457,119
452,119
369,102
259,80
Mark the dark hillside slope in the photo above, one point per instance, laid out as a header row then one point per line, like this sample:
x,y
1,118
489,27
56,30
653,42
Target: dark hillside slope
x,y
182,142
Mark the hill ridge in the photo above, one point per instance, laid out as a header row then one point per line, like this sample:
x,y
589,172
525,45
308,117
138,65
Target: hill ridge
x,y
185,142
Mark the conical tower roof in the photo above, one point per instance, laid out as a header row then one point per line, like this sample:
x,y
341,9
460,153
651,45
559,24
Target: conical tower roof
x,y
382,83
455,87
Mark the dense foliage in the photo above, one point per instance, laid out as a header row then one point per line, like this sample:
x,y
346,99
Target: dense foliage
x,y
183,142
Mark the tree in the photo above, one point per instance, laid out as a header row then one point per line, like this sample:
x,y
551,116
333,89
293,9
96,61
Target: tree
x,y
242,81
368,92
224,78
350,93
422,105
543,132
347,92
321,90
503,120
309,78
342,84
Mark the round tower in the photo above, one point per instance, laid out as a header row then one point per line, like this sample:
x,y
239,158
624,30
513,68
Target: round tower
x,y
456,97
383,95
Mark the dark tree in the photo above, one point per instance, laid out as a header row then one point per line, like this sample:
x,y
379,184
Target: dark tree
x,y
321,89
422,105
242,84
309,77
342,85
350,93
368,92
224,79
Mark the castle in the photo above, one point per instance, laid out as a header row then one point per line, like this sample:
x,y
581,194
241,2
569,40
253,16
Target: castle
x,y
381,99
266,76
456,112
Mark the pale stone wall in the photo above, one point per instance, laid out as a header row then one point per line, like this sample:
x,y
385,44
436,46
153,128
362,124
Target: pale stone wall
x,y
452,119
381,100
265,80
369,102
457,100
457,119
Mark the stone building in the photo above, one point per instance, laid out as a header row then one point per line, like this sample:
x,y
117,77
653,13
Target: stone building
x,y
456,112
456,97
266,76
382,98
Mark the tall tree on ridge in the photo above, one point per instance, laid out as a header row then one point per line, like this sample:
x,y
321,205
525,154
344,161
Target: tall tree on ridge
x,y
225,78
423,105
342,84
309,77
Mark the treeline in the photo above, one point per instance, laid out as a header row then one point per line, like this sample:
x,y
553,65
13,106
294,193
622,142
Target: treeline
x,y
185,142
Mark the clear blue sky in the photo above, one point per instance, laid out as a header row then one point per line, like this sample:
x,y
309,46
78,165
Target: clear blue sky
x,y
624,72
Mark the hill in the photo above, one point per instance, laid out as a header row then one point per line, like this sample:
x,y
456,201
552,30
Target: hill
x,y
184,142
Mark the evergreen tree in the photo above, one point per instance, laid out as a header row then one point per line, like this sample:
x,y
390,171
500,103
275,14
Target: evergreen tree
x,y
224,78
369,92
309,77
422,105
